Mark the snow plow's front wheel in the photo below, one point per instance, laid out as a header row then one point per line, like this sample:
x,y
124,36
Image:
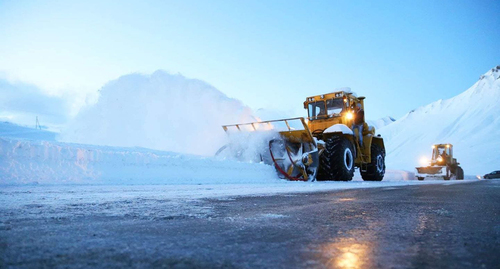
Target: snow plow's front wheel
x,y
337,160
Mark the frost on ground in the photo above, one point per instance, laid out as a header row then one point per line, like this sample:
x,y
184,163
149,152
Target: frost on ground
x,y
151,201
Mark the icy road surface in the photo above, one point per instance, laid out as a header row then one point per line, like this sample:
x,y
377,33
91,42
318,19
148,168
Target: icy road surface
x,y
378,224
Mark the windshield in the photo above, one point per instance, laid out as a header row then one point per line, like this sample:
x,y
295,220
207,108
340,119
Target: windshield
x,y
317,110
443,152
334,106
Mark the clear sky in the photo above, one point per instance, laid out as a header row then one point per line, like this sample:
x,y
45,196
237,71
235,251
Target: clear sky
x,y
271,54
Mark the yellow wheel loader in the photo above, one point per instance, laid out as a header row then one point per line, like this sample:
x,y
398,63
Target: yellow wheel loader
x,y
442,164
322,146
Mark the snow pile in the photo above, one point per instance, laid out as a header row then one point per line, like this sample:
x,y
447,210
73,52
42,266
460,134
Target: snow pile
x,y
44,162
470,121
382,122
159,111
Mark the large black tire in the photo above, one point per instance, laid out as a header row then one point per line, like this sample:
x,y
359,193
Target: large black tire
x,y
337,161
375,170
460,173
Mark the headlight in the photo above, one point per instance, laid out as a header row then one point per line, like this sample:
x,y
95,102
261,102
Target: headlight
x,y
424,161
349,115
440,159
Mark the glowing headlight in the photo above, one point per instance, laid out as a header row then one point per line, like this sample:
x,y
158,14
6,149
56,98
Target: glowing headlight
x,y
424,161
349,115
440,159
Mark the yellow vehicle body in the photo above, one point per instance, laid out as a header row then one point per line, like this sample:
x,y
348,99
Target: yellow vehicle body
x,y
330,116
319,123
442,164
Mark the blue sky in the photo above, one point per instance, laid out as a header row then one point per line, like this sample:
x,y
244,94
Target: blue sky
x,y
271,54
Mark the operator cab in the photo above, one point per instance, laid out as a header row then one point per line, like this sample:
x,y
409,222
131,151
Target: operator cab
x,y
327,106
442,154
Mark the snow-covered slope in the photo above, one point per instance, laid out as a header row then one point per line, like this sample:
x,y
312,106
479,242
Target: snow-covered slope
x,y
382,122
470,121
10,130
158,111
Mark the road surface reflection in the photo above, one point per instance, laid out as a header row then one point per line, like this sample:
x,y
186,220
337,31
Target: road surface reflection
x,y
347,252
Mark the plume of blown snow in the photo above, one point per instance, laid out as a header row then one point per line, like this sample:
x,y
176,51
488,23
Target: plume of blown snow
x,y
158,111
470,121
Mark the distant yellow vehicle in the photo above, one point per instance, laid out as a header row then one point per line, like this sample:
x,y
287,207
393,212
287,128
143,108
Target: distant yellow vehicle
x,y
324,147
442,164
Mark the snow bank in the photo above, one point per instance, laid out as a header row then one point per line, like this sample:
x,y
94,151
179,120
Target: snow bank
x,y
44,162
469,121
159,111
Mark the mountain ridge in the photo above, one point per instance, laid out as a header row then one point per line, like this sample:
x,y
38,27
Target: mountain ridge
x,y
468,120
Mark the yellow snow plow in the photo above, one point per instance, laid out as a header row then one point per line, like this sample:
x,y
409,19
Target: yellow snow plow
x,y
442,164
322,146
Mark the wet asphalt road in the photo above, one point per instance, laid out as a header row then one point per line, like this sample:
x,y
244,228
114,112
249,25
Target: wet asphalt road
x,y
422,226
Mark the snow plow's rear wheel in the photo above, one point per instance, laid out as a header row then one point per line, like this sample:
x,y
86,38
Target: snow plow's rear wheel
x,y
375,170
337,160
420,178
294,161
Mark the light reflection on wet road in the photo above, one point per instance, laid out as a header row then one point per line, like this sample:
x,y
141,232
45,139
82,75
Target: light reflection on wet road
x,y
347,253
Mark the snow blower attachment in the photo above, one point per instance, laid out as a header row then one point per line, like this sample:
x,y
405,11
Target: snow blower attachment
x,y
323,147
290,146
442,164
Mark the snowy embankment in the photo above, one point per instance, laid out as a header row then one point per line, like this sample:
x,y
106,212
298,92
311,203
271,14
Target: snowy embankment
x,y
50,162
47,162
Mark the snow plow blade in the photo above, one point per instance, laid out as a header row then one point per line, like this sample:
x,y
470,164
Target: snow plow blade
x,y
430,170
291,147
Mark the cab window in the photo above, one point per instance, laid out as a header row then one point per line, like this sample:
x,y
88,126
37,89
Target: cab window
x,y
334,106
317,110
